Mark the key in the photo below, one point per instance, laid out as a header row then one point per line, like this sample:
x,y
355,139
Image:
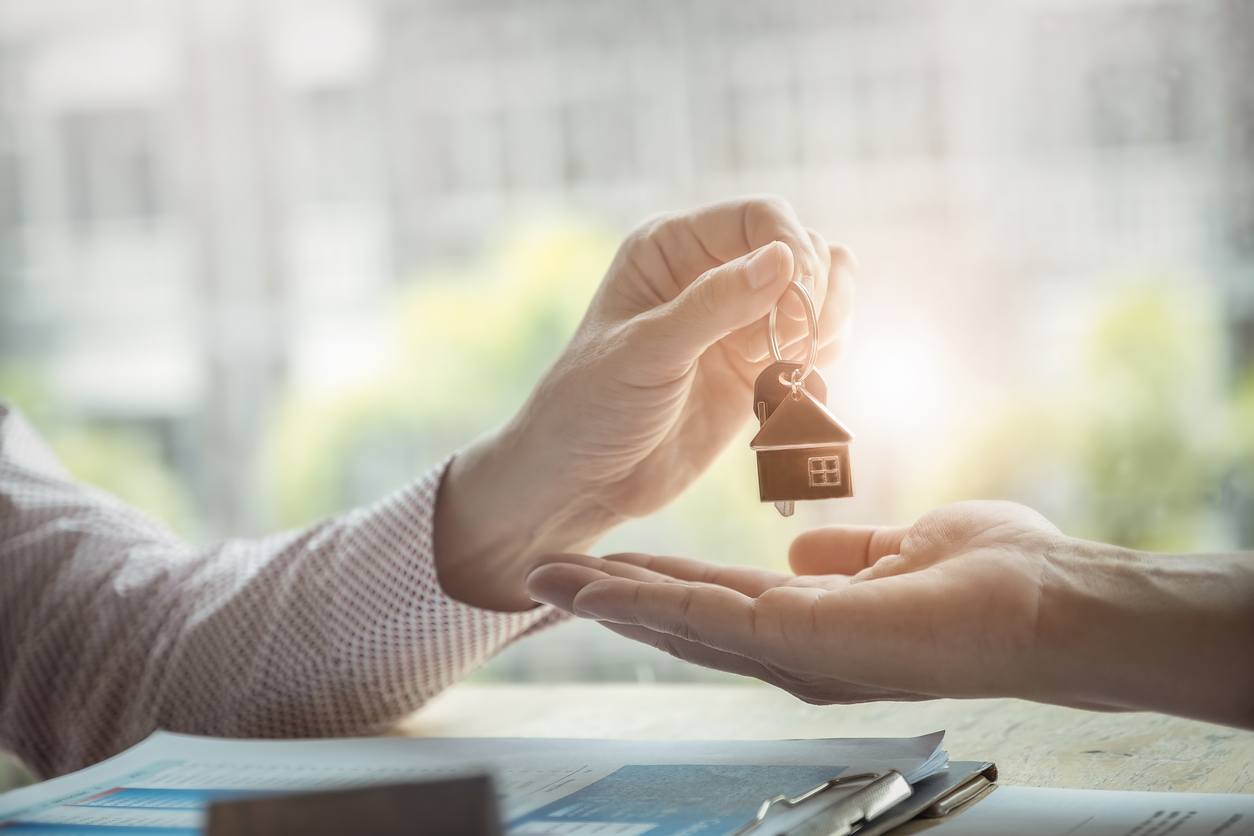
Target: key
x,y
770,388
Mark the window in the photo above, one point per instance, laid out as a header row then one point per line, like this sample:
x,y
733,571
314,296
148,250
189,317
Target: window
x,y
112,164
1141,102
599,139
824,471
10,179
331,145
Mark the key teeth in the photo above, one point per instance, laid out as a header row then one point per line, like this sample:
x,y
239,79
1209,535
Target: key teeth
x,y
785,507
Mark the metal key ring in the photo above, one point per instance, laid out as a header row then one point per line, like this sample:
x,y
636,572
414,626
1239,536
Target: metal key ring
x,y
812,321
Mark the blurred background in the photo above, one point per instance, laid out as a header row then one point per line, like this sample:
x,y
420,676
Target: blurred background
x,y
263,261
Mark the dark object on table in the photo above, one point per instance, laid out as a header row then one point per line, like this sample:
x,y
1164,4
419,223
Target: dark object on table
x,y
464,806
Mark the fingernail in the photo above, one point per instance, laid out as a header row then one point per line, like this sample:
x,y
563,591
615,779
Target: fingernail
x,y
764,265
556,584
590,611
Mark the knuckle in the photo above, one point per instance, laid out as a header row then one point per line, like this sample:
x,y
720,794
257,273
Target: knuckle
x,y
843,258
682,624
706,295
667,228
820,247
616,342
769,215
644,237
650,225
700,301
771,607
769,203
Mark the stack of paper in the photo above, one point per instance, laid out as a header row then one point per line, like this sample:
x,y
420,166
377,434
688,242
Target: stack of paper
x,y
574,787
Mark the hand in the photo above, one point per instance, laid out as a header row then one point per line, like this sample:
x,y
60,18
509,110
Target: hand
x,y
656,380
946,607
977,599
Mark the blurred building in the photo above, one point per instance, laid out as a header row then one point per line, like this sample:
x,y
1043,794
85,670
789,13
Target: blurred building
x,y
202,199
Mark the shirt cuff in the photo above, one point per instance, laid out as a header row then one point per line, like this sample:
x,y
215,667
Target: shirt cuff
x,y
439,638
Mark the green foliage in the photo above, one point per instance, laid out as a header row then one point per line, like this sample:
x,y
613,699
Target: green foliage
x,y
1153,446
1136,448
126,463
465,347
468,345
1241,480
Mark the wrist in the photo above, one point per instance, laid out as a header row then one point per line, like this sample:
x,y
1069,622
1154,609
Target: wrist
x,y
1080,606
503,503
1129,630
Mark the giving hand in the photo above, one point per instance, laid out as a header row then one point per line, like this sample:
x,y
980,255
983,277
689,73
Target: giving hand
x,y
656,380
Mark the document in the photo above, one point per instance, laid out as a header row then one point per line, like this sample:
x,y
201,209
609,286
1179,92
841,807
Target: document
x,y
1032,811
162,786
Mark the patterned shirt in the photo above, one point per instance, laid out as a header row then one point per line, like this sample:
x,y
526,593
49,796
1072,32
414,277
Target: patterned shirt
x,y
111,626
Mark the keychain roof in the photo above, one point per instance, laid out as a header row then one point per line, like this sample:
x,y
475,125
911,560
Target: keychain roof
x,y
800,421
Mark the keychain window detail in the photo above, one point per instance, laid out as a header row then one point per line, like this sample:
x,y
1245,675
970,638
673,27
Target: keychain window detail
x,y
824,470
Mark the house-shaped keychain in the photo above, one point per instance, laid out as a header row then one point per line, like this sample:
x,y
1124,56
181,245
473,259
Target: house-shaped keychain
x,y
803,452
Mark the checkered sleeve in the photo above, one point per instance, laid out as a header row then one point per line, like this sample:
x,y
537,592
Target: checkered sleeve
x,y
111,626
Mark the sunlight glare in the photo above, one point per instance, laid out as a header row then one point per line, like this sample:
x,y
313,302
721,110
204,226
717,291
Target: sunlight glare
x,y
904,384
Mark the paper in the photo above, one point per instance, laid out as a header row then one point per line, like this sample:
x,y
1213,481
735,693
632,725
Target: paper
x,y
1031,811
568,787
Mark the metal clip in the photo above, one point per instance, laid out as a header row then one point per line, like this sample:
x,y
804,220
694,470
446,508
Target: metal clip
x,y
881,793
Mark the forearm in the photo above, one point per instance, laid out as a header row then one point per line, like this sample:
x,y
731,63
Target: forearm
x,y
1139,631
110,626
339,629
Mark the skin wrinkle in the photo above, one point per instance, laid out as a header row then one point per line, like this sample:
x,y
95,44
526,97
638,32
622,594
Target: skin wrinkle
x,y
696,239
696,653
632,252
640,290
866,549
744,224
754,617
662,386
821,281
1049,565
693,652
747,378
653,241
813,613
662,445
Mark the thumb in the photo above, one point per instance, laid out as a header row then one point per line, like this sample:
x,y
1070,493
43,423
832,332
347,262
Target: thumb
x,y
843,550
721,300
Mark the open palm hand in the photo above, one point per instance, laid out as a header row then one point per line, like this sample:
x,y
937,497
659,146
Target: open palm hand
x,y
946,607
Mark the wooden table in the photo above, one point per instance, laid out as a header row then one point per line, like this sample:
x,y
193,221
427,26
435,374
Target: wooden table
x,y
1033,745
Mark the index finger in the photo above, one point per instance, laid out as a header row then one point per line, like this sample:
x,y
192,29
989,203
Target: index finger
x,y
731,228
748,580
711,615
